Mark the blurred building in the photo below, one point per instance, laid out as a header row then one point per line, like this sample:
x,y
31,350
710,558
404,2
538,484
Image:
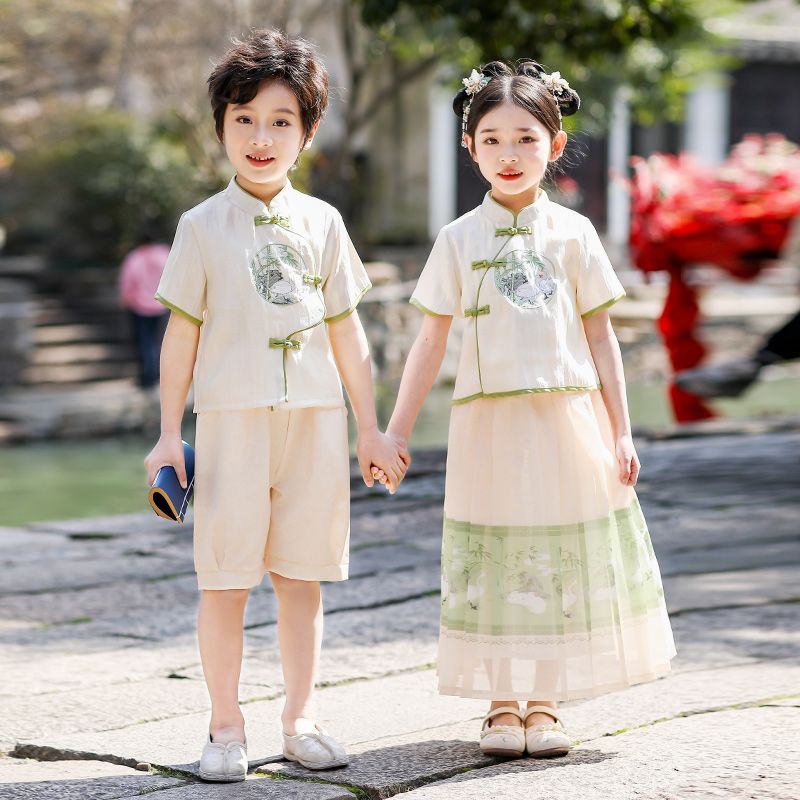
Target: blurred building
x,y
420,185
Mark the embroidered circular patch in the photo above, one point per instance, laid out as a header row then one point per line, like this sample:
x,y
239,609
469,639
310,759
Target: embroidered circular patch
x,y
525,279
277,271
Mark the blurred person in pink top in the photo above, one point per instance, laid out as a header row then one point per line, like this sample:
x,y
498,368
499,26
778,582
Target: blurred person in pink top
x,y
139,276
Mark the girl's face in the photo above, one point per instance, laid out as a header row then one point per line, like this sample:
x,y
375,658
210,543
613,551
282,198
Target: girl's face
x,y
512,150
263,139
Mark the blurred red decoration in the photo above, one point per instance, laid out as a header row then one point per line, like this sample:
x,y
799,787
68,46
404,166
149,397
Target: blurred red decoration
x,y
735,216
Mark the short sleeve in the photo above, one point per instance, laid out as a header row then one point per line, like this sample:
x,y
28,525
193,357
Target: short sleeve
x,y
598,286
182,288
438,290
344,278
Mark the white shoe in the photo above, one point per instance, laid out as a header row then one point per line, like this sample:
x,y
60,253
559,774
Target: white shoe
x,y
223,763
549,739
314,750
503,741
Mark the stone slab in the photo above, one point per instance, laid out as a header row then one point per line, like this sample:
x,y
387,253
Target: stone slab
x,y
416,707
20,544
681,693
257,788
357,644
680,530
79,572
79,667
388,767
353,712
739,588
725,636
24,779
747,556
392,764
163,604
705,756
124,524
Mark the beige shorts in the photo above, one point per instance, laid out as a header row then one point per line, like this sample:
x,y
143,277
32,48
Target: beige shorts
x,y
272,494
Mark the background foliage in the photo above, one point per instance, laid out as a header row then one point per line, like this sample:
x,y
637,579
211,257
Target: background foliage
x,y
104,118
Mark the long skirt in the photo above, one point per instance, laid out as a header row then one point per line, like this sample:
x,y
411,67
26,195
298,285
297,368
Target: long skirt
x,y
550,587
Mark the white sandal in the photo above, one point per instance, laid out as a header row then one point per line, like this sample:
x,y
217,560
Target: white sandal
x,y
223,763
548,739
503,741
314,750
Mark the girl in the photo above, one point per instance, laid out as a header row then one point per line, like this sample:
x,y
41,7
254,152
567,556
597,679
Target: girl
x,y
550,588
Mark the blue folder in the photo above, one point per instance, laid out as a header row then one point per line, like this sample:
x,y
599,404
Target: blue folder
x,y
168,498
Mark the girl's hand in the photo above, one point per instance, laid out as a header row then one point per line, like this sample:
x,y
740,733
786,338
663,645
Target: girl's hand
x,y
627,460
167,452
376,449
402,450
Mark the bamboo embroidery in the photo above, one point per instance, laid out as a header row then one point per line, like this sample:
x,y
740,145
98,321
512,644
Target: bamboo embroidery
x,y
525,280
278,274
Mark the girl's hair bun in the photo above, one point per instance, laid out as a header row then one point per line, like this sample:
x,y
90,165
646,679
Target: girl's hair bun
x,y
533,69
459,100
496,69
568,100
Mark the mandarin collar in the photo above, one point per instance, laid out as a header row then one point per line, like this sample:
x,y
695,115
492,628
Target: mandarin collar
x,y
252,205
501,215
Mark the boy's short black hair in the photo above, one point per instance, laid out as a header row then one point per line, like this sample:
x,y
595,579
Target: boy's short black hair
x,y
265,55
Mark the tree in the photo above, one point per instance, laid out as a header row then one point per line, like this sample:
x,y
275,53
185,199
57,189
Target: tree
x,y
655,47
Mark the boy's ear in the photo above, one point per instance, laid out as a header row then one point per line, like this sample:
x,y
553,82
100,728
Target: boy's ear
x,y
310,137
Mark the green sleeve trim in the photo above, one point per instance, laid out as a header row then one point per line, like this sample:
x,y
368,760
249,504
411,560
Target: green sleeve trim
x,y
605,305
179,311
349,311
416,303
538,390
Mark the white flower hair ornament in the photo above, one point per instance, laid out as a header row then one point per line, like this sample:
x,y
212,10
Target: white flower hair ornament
x,y
555,83
560,89
472,85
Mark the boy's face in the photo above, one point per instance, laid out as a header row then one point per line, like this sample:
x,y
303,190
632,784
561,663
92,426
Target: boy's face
x,y
263,138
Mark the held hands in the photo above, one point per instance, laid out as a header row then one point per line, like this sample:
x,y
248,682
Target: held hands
x,y
627,460
382,458
167,452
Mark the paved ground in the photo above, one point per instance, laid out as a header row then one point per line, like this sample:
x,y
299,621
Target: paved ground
x,y
102,695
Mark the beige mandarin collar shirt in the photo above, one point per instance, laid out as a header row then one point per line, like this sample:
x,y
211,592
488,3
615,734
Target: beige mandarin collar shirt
x,y
260,280
524,283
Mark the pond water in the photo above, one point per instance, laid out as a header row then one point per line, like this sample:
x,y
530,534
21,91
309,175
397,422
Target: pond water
x,y
70,479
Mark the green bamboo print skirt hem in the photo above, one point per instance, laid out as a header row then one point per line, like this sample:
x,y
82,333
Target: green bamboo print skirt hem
x,y
550,587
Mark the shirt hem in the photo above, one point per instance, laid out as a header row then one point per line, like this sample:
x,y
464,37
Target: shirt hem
x,y
602,306
278,404
347,312
458,401
178,310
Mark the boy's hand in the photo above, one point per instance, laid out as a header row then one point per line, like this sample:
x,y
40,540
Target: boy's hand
x,y
167,452
627,460
402,450
380,458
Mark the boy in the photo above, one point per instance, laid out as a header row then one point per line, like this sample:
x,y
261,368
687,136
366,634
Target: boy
x,y
263,282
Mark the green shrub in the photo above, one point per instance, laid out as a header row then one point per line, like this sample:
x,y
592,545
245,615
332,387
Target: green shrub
x,y
83,192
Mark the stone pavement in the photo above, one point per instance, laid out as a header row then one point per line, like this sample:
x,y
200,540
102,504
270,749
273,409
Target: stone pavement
x,y
102,694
